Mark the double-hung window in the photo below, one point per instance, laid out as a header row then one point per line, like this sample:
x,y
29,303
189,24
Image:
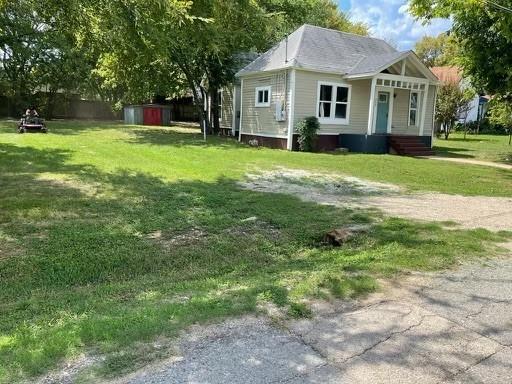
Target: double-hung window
x,y
263,96
413,109
333,105
219,104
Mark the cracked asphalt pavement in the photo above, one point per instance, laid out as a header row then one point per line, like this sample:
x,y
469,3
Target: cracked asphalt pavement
x,y
454,327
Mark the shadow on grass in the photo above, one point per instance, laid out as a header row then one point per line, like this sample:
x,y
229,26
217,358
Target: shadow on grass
x,y
176,137
468,139
453,152
506,158
65,127
103,261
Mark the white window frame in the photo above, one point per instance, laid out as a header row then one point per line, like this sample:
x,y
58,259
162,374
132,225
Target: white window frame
x,y
263,89
333,119
417,109
220,95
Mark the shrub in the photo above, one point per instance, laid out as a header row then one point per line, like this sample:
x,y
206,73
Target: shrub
x,y
486,127
307,130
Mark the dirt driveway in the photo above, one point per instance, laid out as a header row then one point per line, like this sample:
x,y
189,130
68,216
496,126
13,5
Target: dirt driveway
x,y
492,213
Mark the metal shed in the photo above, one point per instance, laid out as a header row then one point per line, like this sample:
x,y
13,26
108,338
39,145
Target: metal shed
x,y
133,115
148,114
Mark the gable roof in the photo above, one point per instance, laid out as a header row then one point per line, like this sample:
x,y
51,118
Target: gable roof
x,y
448,74
328,50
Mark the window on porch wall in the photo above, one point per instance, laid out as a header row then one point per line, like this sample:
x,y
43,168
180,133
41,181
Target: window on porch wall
x,y
413,109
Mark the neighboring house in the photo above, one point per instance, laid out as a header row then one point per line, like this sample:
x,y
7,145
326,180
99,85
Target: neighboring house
x,y
478,105
365,93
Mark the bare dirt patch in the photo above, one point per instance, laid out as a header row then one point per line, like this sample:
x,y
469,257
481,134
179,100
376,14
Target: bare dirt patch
x,y
492,213
169,241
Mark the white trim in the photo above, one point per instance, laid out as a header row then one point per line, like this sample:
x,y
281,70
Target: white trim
x,y
371,107
424,111
220,104
417,109
434,110
402,72
241,109
429,76
233,111
387,76
275,135
264,103
291,111
333,120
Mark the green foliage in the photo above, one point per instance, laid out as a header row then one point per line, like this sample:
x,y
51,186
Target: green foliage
x,y
300,311
441,50
39,51
129,52
307,130
484,126
288,15
483,32
452,102
500,113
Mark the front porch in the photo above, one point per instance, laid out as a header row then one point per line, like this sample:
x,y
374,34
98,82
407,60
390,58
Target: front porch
x,y
398,105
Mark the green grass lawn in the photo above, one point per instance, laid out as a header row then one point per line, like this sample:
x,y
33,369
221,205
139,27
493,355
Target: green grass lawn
x,y
112,236
479,147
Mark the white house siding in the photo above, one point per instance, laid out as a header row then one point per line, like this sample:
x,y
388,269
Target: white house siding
x,y
306,95
262,120
400,123
226,118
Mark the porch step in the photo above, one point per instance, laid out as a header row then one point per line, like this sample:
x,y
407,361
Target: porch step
x,y
409,146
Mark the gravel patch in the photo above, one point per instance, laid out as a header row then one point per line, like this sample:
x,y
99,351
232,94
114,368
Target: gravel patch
x,y
492,213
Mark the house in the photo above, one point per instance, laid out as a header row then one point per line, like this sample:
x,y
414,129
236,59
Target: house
x,y
368,96
478,105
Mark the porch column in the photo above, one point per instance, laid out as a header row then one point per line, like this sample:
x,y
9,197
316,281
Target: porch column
x,y
372,105
424,109
241,109
233,118
291,110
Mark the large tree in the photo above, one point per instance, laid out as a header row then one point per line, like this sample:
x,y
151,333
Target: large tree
x,y
164,46
452,105
438,50
38,51
484,32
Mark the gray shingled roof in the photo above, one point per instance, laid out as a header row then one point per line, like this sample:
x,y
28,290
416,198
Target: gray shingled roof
x,y
322,49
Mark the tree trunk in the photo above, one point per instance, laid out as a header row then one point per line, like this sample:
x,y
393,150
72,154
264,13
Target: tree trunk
x,y
214,94
200,102
447,128
51,105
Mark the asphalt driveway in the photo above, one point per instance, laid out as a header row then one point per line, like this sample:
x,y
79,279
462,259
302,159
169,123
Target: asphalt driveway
x,y
454,327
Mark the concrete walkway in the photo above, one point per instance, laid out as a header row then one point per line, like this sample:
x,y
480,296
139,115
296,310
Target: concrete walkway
x,y
472,162
454,327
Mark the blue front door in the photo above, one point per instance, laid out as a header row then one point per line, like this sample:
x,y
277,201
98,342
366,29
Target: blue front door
x,y
382,113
